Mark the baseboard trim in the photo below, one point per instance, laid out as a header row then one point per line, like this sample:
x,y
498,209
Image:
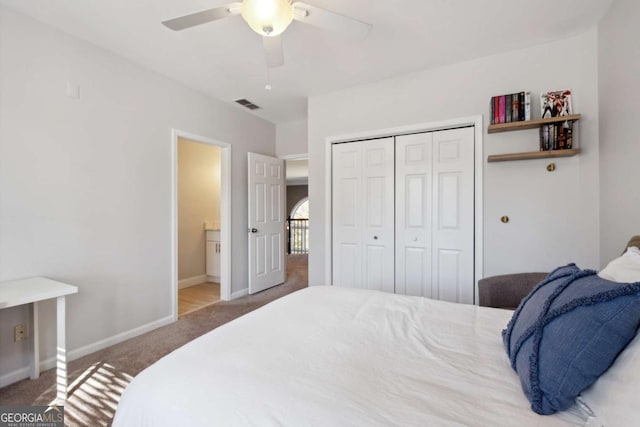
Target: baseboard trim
x,y
22,373
192,281
240,294
214,279
15,376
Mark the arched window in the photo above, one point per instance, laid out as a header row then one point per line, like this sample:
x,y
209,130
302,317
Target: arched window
x,y
298,228
301,209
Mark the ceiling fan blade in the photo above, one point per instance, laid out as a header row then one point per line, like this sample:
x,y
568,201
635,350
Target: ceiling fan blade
x,y
273,49
198,18
330,21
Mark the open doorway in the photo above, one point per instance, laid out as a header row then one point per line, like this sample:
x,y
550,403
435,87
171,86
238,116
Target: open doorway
x,y
297,205
298,228
201,219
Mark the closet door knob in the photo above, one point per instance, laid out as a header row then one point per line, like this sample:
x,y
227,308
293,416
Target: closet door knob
x,y
375,237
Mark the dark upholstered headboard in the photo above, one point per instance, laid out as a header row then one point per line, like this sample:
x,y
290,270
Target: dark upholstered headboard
x,y
506,291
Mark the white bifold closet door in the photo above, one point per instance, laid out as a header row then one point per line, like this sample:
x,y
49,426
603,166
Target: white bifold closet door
x,y
403,214
434,250
363,214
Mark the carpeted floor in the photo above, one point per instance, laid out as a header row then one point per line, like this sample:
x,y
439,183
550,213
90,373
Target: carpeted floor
x,y
96,381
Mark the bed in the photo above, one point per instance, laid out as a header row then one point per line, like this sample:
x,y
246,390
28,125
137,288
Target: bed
x,y
330,356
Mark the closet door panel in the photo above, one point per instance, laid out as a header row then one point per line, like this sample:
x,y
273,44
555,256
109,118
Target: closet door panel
x,y
415,272
448,201
375,201
363,214
348,209
374,271
447,284
347,214
349,257
413,214
378,233
453,231
403,214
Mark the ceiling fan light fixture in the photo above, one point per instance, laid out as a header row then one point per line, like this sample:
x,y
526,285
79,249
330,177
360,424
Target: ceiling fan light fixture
x,y
267,17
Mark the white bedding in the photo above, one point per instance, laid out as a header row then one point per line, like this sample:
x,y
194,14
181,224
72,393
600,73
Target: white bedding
x,y
329,356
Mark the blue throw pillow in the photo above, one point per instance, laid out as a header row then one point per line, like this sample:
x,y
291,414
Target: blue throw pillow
x,y
567,332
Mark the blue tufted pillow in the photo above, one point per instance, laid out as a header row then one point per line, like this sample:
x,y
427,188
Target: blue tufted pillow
x,y
567,332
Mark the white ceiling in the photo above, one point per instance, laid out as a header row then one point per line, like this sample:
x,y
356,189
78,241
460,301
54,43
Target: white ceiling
x,y
225,58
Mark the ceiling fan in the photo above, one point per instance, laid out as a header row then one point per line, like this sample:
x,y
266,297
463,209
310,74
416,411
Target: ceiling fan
x,y
270,18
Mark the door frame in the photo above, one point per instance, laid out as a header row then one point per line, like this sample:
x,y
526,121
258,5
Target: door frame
x,y
225,214
475,121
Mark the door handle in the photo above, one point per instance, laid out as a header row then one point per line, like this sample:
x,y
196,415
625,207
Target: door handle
x,y
253,230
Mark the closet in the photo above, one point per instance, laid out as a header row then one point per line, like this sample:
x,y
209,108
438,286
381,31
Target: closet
x,y
403,214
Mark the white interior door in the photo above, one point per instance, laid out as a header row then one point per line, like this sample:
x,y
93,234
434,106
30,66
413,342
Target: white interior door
x,y
266,222
363,214
378,216
347,214
453,215
414,217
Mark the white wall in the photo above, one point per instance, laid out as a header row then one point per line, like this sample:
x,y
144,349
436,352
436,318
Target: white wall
x,y
554,216
619,85
291,138
85,185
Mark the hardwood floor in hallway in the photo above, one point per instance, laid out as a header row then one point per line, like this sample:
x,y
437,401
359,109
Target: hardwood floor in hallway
x,y
198,296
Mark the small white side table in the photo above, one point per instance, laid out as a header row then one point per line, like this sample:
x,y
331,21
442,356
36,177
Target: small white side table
x,y
33,290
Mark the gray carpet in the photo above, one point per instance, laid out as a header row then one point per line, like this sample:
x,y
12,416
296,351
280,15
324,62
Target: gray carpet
x,y
96,381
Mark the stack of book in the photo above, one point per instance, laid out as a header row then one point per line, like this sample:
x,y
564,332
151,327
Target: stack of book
x,y
515,107
556,136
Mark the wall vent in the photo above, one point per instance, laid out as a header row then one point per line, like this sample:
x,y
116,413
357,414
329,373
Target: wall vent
x,y
246,103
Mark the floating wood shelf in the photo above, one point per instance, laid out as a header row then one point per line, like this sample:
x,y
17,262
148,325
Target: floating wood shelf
x,y
530,124
533,155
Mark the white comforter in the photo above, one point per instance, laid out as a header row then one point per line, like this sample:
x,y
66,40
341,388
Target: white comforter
x,y
328,356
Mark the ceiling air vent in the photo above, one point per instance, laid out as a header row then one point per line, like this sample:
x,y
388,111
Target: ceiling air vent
x,y
246,103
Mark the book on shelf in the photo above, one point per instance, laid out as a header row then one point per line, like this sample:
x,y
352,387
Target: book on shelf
x,y
493,107
556,136
518,106
555,103
544,138
568,132
562,138
513,107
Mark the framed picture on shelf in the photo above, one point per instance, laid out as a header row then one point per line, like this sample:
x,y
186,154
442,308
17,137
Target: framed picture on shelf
x,y
555,103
